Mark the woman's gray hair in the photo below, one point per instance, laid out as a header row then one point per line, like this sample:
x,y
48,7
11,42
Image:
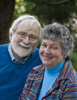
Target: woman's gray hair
x,y
29,25
58,32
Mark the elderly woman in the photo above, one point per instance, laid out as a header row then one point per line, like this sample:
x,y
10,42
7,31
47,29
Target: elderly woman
x,y
56,79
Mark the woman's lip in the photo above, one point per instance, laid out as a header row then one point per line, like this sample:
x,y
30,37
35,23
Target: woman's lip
x,y
47,57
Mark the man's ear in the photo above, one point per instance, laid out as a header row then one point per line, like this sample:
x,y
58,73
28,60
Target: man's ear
x,y
10,37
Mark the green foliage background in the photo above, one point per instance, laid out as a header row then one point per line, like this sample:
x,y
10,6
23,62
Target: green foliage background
x,y
74,60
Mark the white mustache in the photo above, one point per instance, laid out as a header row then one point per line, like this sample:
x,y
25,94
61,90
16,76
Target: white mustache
x,y
24,45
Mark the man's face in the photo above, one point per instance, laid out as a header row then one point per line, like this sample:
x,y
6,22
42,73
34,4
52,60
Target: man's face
x,y
23,41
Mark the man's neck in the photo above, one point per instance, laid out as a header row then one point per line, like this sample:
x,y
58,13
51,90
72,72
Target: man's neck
x,y
18,57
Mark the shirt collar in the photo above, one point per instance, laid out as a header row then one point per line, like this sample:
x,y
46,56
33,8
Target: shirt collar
x,y
64,72
55,69
13,58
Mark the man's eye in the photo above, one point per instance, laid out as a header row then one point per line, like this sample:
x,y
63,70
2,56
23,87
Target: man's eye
x,y
23,34
33,37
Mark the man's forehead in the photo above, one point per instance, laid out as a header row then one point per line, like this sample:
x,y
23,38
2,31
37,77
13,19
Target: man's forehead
x,y
26,23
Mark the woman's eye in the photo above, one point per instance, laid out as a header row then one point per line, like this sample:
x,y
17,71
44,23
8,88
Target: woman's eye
x,y
54,47
43,45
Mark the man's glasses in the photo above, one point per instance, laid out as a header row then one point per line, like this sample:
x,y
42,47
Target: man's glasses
x,y
23,35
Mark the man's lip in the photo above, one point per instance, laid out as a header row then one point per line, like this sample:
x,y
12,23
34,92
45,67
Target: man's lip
x,y
24,47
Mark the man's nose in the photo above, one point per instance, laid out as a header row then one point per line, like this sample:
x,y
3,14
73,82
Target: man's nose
x,y
26,40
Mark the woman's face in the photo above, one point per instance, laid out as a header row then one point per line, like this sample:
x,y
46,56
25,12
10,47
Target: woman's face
x,y
51,53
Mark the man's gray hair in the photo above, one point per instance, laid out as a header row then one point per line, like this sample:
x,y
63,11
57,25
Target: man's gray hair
x,y
58,32
29,26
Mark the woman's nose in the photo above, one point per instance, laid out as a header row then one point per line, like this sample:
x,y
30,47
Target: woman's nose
x,y
47,51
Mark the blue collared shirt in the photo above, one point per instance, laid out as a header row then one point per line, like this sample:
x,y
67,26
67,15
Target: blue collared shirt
x,y
13,58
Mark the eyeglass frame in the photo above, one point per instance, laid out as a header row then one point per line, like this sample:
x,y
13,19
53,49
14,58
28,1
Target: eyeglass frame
x,y
23,35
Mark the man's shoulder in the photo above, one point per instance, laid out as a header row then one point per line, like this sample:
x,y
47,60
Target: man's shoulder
x,y
4,45
36,50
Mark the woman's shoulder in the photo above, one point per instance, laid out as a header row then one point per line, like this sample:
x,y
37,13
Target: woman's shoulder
x,y
36,70
40,67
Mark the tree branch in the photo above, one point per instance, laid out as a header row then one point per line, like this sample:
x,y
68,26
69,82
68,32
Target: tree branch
x,y
56,3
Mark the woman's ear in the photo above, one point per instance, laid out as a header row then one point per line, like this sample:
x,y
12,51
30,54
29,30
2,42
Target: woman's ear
x,y
65,56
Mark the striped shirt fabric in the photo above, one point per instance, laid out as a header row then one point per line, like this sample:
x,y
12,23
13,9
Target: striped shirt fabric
x,y
64,87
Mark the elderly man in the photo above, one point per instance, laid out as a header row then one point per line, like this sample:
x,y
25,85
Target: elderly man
x,y
19,56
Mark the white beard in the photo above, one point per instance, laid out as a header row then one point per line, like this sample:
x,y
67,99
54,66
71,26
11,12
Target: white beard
x,y
22,51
